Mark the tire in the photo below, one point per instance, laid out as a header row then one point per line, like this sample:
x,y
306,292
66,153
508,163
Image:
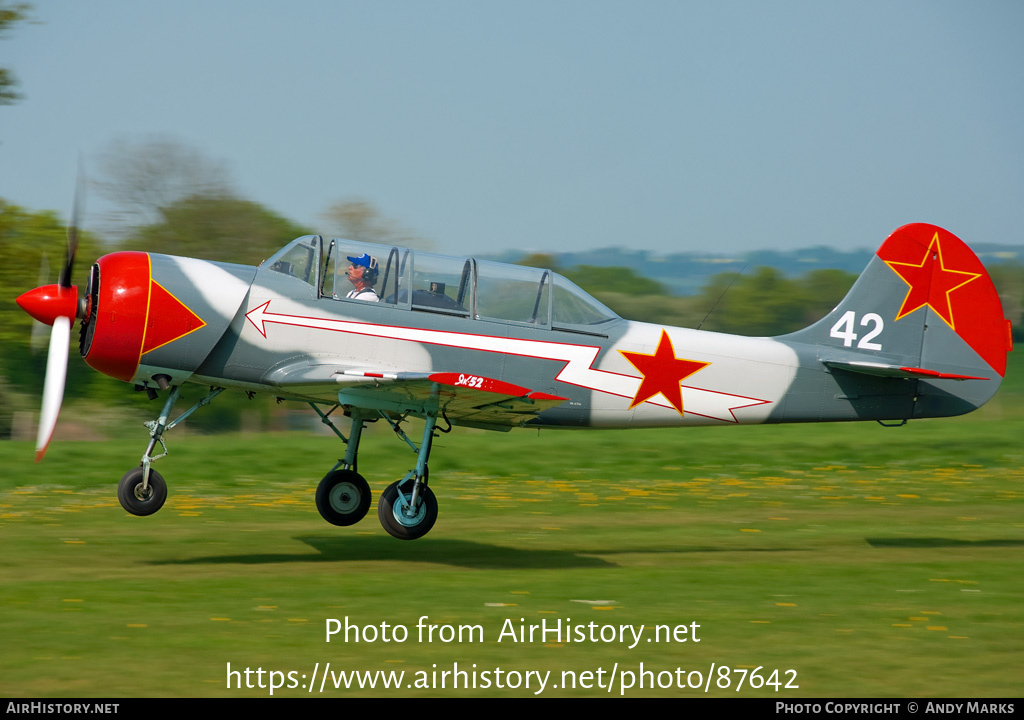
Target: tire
x,y
397,523
134,500
343,497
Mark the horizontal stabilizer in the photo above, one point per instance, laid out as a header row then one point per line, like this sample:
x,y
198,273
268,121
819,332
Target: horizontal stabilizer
x,y
896,371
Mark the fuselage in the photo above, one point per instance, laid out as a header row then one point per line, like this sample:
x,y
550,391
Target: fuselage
x,y
287,328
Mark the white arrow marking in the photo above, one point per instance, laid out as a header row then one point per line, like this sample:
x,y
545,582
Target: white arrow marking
x,y
578,359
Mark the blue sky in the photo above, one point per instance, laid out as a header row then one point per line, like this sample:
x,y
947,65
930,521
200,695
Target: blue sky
x,y
487,125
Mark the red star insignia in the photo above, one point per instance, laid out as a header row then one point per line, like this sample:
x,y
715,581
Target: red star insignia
x,y
663,373
931,283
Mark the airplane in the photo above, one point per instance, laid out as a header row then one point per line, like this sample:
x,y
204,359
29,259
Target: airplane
x,y
463,341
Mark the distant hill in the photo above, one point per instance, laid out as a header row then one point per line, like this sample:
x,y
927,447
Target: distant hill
x,y
686,273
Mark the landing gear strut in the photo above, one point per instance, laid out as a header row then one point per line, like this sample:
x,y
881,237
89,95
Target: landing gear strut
x,y
142,490
343,496
407,508
404,516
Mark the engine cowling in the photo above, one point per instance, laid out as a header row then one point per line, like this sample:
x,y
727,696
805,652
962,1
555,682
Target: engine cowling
x,y
117,301
139,306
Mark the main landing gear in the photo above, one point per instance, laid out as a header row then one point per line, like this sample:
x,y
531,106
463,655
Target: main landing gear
x,y
343,497
407,508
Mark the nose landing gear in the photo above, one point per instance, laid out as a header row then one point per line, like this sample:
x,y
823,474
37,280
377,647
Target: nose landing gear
x,y
139,497
142,490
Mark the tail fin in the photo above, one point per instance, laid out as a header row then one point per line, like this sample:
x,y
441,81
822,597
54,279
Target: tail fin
x,y
924,309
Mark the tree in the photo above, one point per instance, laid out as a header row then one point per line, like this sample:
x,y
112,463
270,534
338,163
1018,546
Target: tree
x,y
10,15
1009,281
26,238
216,227
765,302
596,280
544,261
142,177
821,291
359,220
760,303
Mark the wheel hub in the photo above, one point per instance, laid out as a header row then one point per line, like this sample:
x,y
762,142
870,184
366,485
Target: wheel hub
x,y
406,514
344,498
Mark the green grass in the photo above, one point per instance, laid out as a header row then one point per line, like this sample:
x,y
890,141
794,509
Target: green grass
x,y
872,561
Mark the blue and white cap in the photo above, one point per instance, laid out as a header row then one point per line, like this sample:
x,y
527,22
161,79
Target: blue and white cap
x,y
367,261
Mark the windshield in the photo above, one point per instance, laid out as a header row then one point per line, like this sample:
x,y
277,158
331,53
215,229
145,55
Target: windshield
x,y
298,259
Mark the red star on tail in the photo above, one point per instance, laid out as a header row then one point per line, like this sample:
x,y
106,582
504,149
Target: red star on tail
x,y
930,283
663,373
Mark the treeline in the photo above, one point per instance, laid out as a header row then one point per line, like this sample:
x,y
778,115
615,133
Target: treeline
x,y
761,301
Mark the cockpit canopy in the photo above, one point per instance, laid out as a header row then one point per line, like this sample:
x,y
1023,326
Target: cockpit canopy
x,y
463,286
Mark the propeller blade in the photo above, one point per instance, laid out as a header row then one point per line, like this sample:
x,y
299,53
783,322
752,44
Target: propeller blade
x,y
53,388
37,340
57,304
65,273
73,223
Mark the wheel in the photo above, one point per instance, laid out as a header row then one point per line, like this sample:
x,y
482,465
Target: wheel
x,y
343,497
391,510
138,501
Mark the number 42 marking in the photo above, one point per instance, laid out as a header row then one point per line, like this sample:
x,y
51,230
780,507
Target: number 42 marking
x,y
843,329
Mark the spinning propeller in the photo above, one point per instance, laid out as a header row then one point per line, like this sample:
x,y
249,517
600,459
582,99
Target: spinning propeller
x,y
58,306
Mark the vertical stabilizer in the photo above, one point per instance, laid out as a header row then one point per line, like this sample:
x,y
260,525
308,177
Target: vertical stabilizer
x,y
923,321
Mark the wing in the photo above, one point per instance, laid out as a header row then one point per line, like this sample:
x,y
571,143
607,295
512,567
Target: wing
x,y
472,400
465,399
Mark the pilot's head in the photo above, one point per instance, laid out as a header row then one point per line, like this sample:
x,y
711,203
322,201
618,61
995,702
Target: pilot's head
x,y
364,269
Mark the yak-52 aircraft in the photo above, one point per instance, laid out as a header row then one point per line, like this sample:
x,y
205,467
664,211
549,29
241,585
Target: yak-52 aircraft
x,y
464,341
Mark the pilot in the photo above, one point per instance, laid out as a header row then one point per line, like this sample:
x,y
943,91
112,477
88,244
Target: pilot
x,y
362,273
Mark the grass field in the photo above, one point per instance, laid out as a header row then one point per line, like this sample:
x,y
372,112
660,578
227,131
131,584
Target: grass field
x,y
870,561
